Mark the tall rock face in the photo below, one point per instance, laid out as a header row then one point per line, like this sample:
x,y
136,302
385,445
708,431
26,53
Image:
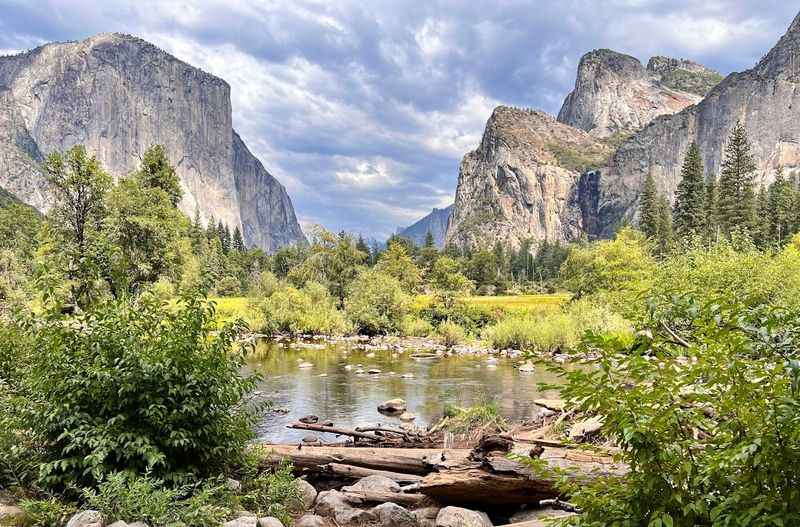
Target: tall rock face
x,y
435,223
118,95
615,94
523,181
766,99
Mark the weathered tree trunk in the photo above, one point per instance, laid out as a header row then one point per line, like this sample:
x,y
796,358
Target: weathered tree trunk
x,y
354,472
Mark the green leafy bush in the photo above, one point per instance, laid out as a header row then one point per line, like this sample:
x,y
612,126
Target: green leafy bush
x,y
376,303
50,512
450,333
415,327
137,387
273,494
143,498
705,405
308,310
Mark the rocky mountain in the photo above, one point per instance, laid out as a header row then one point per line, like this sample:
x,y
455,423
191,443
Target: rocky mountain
x,y
435,223
766,99
522,181
615,94
117,95
582,175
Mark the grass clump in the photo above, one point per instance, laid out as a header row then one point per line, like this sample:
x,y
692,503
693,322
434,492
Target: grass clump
x,y
415,327
450,334
461,420
273,494
49,512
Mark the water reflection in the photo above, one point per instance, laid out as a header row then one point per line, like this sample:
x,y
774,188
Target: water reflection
x,y
350,400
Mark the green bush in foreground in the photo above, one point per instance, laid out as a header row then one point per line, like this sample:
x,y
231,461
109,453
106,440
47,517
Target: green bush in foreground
x,y
705,405
49,512
136,388
273,494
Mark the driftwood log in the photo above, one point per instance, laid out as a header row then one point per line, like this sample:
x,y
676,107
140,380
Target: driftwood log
x,y
373,436
451,476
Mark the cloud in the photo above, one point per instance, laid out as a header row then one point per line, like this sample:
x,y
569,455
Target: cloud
x,y
364,109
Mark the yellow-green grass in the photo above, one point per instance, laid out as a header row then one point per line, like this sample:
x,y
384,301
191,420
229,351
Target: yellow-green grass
x,y
510,303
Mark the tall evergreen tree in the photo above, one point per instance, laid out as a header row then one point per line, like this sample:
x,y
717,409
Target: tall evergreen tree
x,y
710,208
737,199
761,229
362,246
781,209
689,215
664,224
429,239
648,208
238,241
225,238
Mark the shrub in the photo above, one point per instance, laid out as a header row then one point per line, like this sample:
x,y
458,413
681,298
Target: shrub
x,y
466,419
137,387
704,405
273,494
415,327
450,334
308,310
228,286
376,303
123,497
263,285
50,512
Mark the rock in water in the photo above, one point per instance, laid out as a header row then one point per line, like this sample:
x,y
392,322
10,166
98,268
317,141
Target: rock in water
x,y
458,517
392,406
309,419
118,95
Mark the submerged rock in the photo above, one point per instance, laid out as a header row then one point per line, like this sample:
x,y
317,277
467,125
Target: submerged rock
x,y
392,406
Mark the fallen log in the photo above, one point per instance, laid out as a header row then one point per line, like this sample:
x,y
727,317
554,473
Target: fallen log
x,y
403,460
373,435
333,430
354,472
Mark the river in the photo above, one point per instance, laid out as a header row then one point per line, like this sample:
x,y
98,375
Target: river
x,y
328,386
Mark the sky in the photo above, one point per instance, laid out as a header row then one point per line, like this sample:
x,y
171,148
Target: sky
x,y
363,109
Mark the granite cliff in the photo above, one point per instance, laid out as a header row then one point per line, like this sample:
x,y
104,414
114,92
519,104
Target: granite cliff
x,y
117,95
582,175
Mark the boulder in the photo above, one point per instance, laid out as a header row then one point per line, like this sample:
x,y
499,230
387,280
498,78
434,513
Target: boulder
x,y
458,517
86,519
392,406
407,416
11,515
332,504
119,523
584,429
310,520
308,494
310,438
426,516
243,519
393,515
269,521
233,485
374,484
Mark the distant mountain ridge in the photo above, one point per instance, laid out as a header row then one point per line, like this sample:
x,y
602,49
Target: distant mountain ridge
x,y
117,95
436,223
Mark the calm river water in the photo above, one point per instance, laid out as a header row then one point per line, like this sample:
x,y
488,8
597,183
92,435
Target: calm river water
x,y
333,391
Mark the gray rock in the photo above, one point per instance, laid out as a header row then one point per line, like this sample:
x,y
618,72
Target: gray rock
x,y
233,485
310,520
9,514
458,517
374,484
308,493
269,521
392,406
242,519
130,95
310,438
86,519
393,515
119,523
426,516
332,503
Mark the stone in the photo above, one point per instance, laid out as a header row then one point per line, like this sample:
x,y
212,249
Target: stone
x,y
333,504
119,523
374,484
310,438
407,416
309,419
308,493
393,515
86,519
247,519
458,517
392,406
556,405
310,520
10,514
426,516
584,429
527,367
269,521
233,485
130,95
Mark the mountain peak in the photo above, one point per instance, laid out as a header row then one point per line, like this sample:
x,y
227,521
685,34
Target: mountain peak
x,y
783,60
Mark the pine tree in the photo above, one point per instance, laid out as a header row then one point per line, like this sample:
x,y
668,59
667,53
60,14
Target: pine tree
x,y
362,246
238,241
196,230
663,224
689,213
211,229
761,229
225,238
429,239
648,208
710,208
737,199
781,209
